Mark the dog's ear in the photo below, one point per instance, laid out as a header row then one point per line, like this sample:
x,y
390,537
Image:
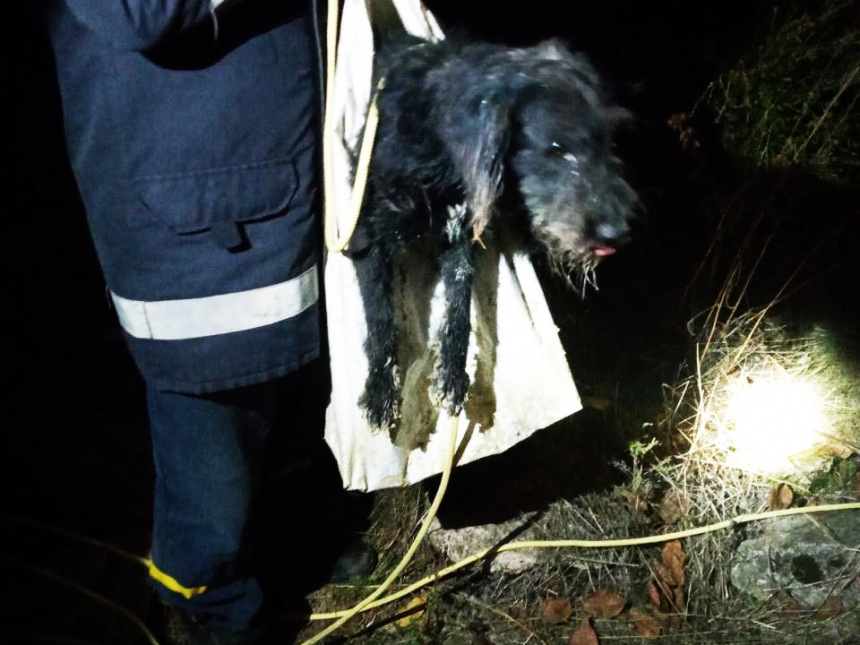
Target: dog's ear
x,y
579,66
617,117
477,145
552,49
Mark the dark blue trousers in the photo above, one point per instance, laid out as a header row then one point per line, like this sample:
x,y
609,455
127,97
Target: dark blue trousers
x,y
212,453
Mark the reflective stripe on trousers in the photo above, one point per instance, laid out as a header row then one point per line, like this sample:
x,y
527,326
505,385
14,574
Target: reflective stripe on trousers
x,y
221,314
173,584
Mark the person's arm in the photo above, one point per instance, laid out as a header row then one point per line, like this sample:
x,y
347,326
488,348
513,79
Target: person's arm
x,y
141,25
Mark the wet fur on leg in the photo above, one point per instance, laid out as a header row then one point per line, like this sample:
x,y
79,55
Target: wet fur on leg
x,y
476,139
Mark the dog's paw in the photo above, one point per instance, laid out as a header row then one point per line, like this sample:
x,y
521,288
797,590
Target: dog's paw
x,y
381,412
380,400
449,390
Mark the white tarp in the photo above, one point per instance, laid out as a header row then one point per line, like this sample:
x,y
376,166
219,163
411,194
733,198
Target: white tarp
x,y
521,380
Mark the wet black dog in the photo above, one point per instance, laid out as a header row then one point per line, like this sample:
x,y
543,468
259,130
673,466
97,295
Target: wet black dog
x,y
473,139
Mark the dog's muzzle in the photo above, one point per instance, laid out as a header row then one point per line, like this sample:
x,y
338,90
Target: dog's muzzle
x,y
609,237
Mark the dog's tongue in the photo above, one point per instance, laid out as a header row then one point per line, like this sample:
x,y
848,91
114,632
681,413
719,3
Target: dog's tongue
x,y
601,251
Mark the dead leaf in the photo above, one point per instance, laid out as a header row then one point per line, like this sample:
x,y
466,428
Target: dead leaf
x,y
830,608
673,559
678,606
781,496
637,504
666,587
663,577
785,603
667,602
584,635
673,506
556,610
643,624
413,611
682,123
604,603
654,595
518,613
596,402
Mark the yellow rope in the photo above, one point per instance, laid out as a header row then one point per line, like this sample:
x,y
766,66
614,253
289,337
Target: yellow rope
x,y
344,616
328,118
336,241
595,544
373,601
173,584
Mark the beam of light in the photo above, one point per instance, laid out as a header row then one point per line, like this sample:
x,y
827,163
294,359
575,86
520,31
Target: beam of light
x,y
772,422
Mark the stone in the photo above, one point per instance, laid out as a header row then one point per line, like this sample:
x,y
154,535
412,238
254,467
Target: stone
x,y
813,557
460,543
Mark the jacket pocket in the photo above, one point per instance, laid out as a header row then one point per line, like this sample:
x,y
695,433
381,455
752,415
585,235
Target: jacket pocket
x,y
199,201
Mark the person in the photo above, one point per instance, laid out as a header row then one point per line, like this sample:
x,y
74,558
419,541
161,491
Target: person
x,y
193,131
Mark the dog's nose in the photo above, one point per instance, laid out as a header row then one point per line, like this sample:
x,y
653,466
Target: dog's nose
x,y
612,233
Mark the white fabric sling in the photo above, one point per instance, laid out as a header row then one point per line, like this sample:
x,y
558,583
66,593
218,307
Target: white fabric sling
x,y
521,380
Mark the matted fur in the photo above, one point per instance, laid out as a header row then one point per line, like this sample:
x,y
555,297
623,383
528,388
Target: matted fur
x,y
476,139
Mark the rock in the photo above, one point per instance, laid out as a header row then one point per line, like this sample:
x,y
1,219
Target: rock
x,y
460,543
811,557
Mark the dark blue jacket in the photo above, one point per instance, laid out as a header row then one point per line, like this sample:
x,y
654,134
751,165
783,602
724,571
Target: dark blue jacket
x,y
195,148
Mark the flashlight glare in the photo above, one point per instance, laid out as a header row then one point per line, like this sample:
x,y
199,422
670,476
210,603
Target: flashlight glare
x,y
771,421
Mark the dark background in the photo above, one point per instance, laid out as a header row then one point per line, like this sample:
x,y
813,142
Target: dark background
x,y
74,449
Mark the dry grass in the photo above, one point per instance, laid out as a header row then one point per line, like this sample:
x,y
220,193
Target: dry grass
x,y
664,491
717,483
805,399
686,479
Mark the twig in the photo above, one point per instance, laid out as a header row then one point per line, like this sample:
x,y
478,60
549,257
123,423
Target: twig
x,y
845,85
50,575
504,615
26,521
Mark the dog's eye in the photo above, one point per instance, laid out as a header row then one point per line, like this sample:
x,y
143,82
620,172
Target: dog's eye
x,y
558,150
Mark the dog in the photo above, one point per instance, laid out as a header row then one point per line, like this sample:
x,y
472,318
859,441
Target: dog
x,y
475,139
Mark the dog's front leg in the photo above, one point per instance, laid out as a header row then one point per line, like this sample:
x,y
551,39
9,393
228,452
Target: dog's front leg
x,y
457,266
380,399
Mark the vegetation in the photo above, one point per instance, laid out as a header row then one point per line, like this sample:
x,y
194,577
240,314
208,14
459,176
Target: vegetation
x,y
789,121
795,102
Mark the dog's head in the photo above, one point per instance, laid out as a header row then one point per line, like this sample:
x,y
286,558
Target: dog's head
x,y
545,126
